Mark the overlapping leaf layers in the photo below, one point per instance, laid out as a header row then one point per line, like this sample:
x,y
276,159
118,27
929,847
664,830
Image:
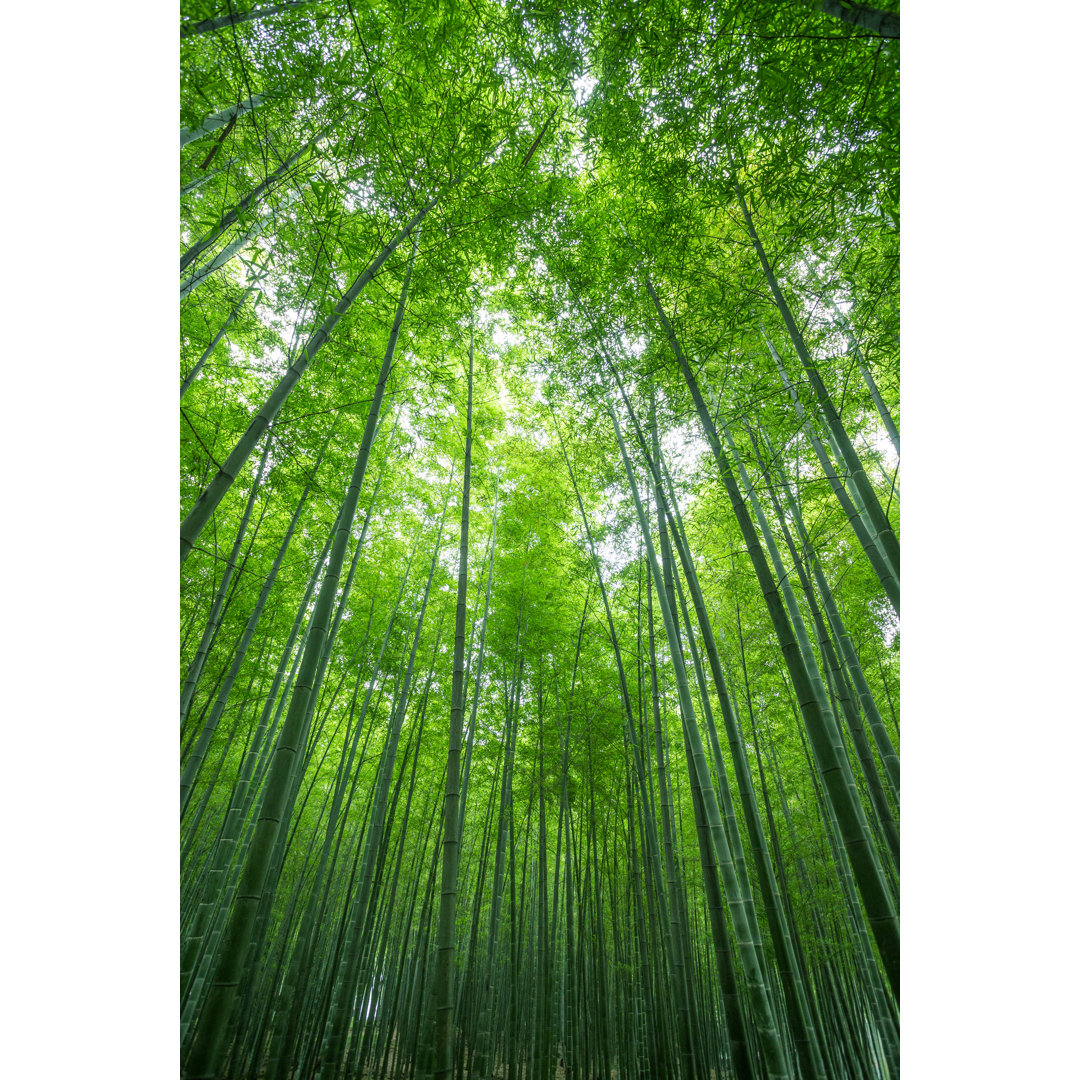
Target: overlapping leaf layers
x,y
539,552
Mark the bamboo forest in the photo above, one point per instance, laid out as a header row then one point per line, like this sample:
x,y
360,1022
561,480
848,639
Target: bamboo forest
x,y
539,544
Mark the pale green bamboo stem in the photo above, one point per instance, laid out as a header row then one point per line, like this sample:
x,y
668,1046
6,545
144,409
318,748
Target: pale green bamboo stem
x,y
193,374
231,216
444,973
206,26
864,370
220,119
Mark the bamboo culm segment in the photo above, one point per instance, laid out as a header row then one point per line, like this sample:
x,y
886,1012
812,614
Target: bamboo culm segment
x,y
444,973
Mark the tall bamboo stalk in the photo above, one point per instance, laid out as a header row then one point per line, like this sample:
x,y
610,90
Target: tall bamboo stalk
x,y
444,971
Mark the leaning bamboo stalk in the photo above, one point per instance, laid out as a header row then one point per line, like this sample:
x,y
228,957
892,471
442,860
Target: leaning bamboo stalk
x,y
196,667
883,741
207,26
202,274
875,394
861,528
300,975
479,667
879,803
192,766
451,840
199,515
193,374
850,711
727,845
227,116
231,216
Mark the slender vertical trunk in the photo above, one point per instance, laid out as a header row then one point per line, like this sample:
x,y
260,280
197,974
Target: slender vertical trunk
x,y
444,971
741,907
679,949
345,983
642,776
479,668
205,1058
794,994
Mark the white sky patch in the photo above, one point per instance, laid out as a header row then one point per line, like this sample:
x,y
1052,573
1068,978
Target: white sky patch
x,y
890,624
504,396
883,445
683,449
616,549
577,160
613,559
499,323
362,196
504,337
583,87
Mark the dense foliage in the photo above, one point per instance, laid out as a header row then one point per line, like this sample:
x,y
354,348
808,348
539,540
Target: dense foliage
x,y
539,557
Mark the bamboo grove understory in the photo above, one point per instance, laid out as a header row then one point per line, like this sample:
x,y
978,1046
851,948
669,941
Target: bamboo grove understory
x,y
539,544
